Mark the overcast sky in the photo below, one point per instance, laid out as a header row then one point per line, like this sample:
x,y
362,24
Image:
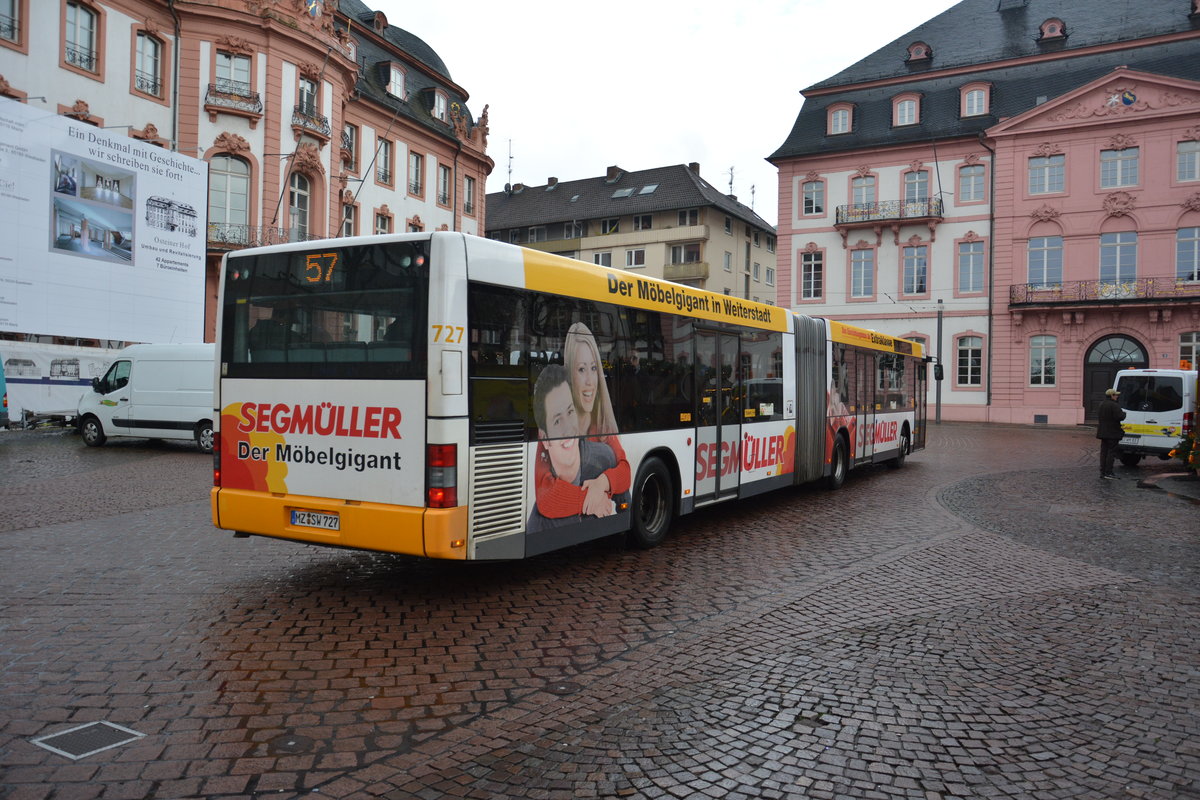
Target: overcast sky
x,y
647,83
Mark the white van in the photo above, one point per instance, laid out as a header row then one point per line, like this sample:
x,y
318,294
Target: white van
x,y
1160,404
155,391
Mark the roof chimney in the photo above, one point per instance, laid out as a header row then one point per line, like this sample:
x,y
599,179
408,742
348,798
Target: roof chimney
x,y
614,174
694,167
518,188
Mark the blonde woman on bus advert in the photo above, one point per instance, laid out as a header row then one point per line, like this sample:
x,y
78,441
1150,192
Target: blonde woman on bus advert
x,y
1109,431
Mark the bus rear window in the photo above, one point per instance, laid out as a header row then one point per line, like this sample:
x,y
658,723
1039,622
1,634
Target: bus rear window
x,y
340,312
1158,393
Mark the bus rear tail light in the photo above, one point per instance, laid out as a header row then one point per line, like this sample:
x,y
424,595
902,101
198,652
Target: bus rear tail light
x,y
441,475
1189,422
216,458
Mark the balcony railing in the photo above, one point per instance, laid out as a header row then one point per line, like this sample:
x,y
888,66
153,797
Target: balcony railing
x,y
145,82
233,94
1100,291
305,116
383,175
892,209
81,57
9,28
231,235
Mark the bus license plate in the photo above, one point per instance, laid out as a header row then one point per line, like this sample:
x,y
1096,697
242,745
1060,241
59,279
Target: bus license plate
x,y
1131,440
316,519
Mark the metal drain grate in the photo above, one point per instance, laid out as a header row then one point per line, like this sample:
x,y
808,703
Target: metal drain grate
x,y
84,740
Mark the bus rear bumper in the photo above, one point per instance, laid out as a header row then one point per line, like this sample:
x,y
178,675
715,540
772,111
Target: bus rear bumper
x,y
409,530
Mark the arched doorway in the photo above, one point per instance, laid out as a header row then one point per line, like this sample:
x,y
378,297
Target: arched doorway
x,y
1104,359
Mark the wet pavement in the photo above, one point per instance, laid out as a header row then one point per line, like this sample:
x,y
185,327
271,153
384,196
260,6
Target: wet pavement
x,y
993,620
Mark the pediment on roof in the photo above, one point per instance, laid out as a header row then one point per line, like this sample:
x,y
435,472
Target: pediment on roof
x,y
1121,95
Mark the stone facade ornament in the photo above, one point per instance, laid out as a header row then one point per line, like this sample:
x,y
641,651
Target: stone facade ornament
x,y
308,159
1045,213
1192,203
1118,204
1046,149
231,143
1121,142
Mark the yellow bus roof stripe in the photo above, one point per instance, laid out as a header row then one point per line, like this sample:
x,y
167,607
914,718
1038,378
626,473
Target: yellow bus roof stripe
x,y
863,337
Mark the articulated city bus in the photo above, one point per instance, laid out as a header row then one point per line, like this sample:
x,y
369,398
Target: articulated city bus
x,y
448,396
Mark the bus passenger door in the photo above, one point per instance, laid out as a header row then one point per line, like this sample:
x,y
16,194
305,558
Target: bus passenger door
x,y
867,383
718,416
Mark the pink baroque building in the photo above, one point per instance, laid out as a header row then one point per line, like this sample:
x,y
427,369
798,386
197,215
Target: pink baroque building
x,y
318,118
1020,194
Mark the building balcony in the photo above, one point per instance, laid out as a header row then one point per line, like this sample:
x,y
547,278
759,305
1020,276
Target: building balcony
x,y
305,119
232,236
891,214
148,83
1073,293
81,57
233,97
690,271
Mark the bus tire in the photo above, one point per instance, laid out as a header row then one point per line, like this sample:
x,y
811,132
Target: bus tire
x,y
653,506
898,461
204,436
92,431
839,465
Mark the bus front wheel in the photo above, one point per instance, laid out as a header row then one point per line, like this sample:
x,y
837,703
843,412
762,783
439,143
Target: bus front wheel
x,y
898,461
92,431
839,465
653,506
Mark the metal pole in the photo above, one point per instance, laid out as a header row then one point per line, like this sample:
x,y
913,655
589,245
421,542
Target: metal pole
x,y
938,393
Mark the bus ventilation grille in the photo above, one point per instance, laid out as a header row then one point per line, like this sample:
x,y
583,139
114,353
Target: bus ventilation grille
x,y
497,432
497,489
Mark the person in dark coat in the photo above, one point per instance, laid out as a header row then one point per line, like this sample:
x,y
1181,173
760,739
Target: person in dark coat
x,y
1109,432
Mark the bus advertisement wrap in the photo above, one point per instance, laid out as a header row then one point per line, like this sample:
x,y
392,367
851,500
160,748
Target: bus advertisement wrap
x,y
323,438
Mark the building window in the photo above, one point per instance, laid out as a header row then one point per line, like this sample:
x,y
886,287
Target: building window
x,y
970,361
308,97
756,240
812,275
349,220
147,75
443,190
770,244
974,103
689,216
603,259
839,121
1187,254
916,267
1189,349
350,145
1187,161
970,184
574,230
1118,257
1118,168
537,233
10,20
635,258
396,86
770,276
228,191
1046,174
862,273
439,106
298,197
383,163
814,197
728,261
916,186
1045,261
416,173
414,226
643,222
233,73
612,225
516,236
469,196
685,253
905,112
1043,352
970,267
728,225
757,272
81,37
862,190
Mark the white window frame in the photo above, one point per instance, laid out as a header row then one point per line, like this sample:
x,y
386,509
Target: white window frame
x,y
1119,167
1047,174
968,372
397,85
1118,257
812,275
635,257
1187,161
1187,255
862,273
970,267
1045,256
970,183
602,259
1043,360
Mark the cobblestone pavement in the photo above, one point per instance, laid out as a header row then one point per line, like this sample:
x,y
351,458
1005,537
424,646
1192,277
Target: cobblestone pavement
x,y
990,621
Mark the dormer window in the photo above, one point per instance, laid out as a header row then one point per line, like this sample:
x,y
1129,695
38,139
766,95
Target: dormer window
x,y
840,119
379,22
906,110
974,100
395,86
439,106
919,51
1053,28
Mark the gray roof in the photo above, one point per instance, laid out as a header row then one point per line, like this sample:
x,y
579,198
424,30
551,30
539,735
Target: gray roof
x,y
372,80
676,187
1016,88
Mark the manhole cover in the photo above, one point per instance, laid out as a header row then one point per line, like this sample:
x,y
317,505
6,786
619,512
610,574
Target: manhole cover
x,y
84,740
563,687
290,744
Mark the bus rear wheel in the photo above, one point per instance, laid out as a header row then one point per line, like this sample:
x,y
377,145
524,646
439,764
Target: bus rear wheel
x,y
839,465
92,431
653,507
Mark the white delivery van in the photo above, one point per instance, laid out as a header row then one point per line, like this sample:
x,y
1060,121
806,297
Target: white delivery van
x,y
155,391
1160,404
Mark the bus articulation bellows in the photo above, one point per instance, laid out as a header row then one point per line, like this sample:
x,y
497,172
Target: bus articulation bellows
x,y
448,396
